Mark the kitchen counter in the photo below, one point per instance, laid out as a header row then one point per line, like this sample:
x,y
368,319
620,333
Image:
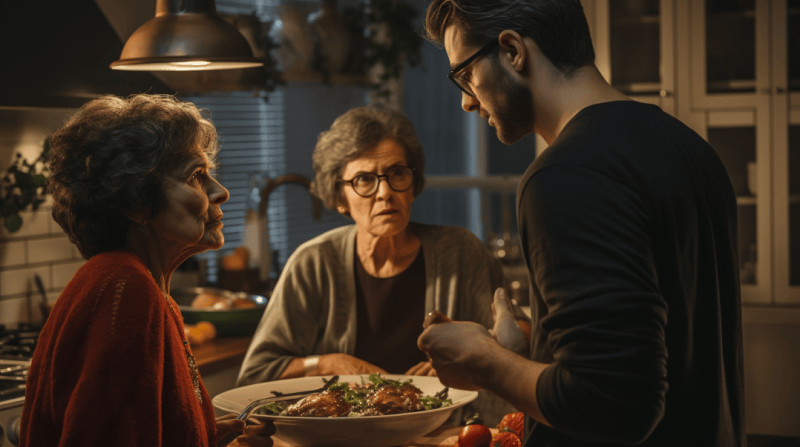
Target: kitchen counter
x,y
220,353
218,362
444,436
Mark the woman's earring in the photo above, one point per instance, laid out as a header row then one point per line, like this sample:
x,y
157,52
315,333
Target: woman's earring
x,y
143,228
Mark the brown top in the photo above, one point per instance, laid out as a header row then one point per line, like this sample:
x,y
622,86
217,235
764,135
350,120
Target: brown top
x,y
389,317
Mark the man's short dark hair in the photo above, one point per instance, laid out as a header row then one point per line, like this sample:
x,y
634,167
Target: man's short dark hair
x,y
558,27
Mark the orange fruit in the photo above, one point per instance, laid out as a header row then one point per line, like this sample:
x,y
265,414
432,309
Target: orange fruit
x,y
514,422
207,330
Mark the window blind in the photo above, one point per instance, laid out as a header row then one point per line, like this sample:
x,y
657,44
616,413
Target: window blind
x,y
252,141
252,129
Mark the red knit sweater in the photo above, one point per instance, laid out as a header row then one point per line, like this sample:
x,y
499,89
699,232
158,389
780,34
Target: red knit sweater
x,y
110,368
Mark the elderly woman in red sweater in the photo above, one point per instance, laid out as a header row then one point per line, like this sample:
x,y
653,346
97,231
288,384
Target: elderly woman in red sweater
x,y
132,187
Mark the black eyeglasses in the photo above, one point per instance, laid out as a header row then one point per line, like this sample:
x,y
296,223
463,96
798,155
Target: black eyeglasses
x,y
464,85
399,179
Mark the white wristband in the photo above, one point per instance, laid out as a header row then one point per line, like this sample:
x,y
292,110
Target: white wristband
x,y
310,363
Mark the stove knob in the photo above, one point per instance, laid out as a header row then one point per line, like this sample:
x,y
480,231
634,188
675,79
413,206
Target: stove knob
x,y
13,430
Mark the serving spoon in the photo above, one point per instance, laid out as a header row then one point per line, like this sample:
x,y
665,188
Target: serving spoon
x,y
278,397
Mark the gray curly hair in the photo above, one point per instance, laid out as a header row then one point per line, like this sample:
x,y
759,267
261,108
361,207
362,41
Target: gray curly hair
x,y
111,157
355,133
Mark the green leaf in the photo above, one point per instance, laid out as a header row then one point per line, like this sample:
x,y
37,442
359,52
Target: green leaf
x,y
12,223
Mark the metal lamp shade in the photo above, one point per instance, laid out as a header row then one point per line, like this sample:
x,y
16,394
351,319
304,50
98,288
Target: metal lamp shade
x,y
186,35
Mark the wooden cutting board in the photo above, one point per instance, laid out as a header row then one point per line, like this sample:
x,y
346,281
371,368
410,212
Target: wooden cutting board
x,y
445,436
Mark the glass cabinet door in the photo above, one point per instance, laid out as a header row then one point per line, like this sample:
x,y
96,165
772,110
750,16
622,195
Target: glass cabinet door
x,y
634,32
634,47
735,137
793,229
730,60
730,46
786,148
791,10
793,73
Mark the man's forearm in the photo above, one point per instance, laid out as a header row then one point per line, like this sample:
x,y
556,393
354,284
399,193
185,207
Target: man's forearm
x,y
515,379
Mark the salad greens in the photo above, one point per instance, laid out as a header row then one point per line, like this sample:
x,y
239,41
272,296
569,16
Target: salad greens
x,y
358,397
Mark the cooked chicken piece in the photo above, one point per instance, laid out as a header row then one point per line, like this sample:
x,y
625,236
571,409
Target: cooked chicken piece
x,y
391,400
324,404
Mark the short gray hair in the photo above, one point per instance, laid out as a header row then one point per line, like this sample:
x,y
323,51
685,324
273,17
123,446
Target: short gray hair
x,y
355,133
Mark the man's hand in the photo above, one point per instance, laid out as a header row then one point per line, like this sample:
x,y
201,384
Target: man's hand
x,y
458,351
254,435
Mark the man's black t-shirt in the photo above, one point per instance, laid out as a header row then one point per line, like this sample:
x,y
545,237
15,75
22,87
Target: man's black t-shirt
x,y
628,226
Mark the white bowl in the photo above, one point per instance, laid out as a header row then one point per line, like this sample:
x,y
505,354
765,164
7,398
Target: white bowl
x,y
368,431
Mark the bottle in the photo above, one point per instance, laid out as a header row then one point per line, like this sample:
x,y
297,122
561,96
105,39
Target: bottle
x,y
256,232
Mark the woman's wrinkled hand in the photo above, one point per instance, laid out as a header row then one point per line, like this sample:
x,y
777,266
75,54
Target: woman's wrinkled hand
x,y
257,435
344,364
422,369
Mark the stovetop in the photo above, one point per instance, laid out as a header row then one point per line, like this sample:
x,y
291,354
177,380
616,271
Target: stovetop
x,y
17,343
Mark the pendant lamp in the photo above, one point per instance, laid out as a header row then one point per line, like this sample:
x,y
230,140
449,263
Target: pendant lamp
x,y
186,35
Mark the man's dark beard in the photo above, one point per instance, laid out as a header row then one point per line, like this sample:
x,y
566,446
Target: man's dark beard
x,y
514,107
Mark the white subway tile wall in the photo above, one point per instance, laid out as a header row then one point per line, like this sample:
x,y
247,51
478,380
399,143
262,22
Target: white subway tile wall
x,y
33,250
40,247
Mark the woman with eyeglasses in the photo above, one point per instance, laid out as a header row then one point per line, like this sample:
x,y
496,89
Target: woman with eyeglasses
x,y
353,300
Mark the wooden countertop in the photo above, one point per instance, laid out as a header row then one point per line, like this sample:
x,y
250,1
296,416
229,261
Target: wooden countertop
x,y
220,353
444,436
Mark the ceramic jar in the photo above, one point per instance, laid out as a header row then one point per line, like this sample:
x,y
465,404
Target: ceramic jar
x,y
331,37
291,34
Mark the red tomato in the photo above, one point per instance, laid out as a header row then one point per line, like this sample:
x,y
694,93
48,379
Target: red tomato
x,y
514,422
506,439
474,435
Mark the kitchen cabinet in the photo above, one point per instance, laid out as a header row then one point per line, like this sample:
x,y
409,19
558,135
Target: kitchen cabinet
x,y
785,95
634,47
731,71
743,63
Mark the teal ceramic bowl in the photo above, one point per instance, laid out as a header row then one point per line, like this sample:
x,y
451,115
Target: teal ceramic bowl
x,y
229,323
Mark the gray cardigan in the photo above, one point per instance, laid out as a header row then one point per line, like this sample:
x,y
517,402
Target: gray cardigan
x,y
312,310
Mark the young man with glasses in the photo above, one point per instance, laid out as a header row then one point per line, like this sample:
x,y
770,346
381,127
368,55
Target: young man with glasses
x,y
628,227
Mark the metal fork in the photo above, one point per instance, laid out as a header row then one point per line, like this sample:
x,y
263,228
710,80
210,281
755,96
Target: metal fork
x,y
278,397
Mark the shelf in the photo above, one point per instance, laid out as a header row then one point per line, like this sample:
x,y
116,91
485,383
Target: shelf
x,y
770,314
637,20
746,14
732,86
641,88
745,200
752,200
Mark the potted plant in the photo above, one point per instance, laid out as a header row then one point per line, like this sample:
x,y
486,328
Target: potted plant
x,y
23,185
390,41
